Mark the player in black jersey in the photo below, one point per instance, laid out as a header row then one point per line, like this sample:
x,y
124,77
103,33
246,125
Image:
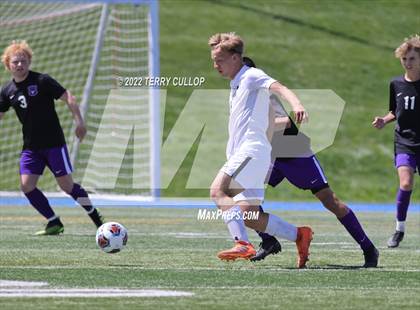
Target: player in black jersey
x,y
404,107
31,95
302,169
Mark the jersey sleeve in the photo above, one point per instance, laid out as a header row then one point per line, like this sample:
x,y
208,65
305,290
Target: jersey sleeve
x,y
52,87
392,102
4,101
261,80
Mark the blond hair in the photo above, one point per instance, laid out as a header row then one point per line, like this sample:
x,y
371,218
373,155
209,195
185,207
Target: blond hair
x,y
411,43
16,47
229,42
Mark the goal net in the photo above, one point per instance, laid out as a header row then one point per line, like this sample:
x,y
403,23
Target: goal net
x,y
87,46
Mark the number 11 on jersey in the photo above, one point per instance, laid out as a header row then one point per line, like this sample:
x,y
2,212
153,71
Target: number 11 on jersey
x,y
411,100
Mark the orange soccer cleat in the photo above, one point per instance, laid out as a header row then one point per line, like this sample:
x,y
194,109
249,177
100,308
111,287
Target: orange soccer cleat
x,y
242,249
303,241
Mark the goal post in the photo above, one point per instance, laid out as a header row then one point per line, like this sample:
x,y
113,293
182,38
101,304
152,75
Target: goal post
x,y
87,46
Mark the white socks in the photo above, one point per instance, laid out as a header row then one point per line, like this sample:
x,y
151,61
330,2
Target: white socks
x,y
52,218
275,226
235,223
400,226
279,228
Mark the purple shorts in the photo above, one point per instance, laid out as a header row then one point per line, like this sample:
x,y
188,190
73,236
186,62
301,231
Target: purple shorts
x,y
409,160
56,158
304,173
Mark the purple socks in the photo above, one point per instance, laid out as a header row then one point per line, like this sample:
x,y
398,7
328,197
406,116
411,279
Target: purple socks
x,y
354,228
40,203
351,224
82,198
403,200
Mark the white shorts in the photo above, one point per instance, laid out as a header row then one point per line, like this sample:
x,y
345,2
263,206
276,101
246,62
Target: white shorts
x,y
250,194
250,173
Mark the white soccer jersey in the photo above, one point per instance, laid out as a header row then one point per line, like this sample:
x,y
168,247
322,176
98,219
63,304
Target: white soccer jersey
x,y
248,120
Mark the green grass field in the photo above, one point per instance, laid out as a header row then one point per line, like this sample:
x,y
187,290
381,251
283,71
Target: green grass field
x,y
169,249
346,46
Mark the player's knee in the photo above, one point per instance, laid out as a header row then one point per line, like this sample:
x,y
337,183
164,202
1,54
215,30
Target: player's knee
x,y
26,187
332,203
327,198
216,194
67,188
406,185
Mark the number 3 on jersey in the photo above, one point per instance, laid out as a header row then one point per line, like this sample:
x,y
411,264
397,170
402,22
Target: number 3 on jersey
x,y
22,101
409,101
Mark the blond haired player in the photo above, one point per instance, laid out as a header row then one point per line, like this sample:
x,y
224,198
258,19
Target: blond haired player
x,y
239,185
404,107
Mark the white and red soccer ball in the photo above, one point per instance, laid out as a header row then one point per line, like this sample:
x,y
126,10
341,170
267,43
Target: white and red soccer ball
x,y
111,237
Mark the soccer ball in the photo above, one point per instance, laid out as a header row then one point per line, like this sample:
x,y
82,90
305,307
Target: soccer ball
x,y
111,237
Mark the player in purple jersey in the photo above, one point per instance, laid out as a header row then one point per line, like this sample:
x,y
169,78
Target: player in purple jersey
x,y
31,95
404,101
304,171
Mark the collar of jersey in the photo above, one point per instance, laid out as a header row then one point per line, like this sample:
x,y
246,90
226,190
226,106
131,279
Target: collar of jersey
x,y
235,82
24,81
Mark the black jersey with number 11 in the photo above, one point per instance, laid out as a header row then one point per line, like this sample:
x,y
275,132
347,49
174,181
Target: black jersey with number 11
x,y
404,102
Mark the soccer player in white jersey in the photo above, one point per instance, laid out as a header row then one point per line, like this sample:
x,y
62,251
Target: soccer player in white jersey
x,y
239,185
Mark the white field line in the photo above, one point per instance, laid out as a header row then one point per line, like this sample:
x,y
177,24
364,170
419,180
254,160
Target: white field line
x,y
9,284
164,291
27,289
88,293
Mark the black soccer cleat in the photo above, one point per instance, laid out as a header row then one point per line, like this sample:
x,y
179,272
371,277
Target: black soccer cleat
x,y
267,247
96,217
371,257
395,239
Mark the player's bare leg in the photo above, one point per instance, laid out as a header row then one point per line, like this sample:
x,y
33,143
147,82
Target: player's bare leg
x,y
332,203
222,190
28,182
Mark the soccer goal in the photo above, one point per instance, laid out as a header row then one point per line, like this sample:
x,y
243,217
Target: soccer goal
x,y
87,46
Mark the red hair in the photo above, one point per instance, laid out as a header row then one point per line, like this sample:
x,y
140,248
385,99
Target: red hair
x,y
16,47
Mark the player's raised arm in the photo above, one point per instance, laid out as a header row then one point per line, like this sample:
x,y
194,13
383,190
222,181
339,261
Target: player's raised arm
x,y
74,108
380,122
299,111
